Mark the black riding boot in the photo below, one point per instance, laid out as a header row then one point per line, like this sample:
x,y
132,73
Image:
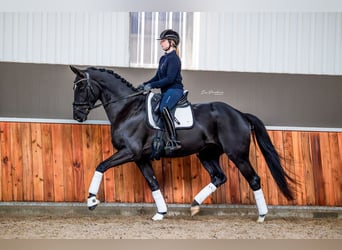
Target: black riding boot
x,y
172,143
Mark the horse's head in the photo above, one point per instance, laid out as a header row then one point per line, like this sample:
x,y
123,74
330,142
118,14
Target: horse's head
x,y
85,94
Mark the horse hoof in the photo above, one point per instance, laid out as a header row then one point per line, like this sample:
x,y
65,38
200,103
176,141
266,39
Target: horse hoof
x,y
261,218
92,203
194,210
158,216
92,208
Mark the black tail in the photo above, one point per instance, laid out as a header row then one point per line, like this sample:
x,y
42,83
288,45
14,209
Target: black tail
x,y
271,156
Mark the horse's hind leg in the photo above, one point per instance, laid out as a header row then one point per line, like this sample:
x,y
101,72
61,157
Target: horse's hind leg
x,y
210,162
246,169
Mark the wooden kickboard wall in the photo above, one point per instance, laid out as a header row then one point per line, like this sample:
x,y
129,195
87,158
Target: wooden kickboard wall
x,y
55,163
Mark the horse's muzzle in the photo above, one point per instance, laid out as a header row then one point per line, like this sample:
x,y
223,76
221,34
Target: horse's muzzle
x,y
80,117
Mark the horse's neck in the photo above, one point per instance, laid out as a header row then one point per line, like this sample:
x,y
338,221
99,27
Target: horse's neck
x,y
120,106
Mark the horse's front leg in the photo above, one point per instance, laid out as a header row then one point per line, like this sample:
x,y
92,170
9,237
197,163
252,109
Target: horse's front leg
x,y
147,171
116,159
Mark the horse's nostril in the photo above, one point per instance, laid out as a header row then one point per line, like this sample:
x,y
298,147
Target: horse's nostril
x,y
77,119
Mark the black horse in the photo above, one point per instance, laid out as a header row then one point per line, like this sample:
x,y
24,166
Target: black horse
x,y
218,128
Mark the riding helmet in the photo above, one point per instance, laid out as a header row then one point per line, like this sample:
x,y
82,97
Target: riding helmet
x,y
169,35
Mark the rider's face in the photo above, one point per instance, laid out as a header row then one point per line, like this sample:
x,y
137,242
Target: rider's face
x,y
165,44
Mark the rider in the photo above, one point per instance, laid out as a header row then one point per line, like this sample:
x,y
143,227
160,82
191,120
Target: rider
x,y
169,80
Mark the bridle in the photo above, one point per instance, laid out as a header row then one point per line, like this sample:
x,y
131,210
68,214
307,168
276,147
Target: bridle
x,y
90,89
86,106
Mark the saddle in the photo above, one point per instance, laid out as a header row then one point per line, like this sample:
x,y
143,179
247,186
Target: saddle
x,y
182,113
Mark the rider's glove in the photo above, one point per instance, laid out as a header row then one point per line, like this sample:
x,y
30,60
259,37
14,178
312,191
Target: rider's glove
x,y
147,87
140,87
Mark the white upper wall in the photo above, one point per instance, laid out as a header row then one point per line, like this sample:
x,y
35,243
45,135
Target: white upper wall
x,y
295,42
65,38
274,42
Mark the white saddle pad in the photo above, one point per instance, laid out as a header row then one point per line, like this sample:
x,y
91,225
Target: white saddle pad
x,y
183,115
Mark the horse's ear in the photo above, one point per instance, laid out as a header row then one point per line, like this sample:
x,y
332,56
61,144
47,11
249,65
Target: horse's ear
x,y
76,71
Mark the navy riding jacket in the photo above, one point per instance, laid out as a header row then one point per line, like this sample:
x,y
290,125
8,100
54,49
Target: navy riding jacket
x,y
168,75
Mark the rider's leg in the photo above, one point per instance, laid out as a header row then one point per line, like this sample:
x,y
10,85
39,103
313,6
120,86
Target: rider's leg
x,y
169,101
173,143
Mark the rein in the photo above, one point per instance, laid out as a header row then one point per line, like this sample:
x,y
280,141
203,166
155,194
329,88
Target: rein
x,y
89,86
120,99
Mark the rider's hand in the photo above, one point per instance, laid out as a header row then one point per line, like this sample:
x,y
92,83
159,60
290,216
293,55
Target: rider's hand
x,y
140,87
147,87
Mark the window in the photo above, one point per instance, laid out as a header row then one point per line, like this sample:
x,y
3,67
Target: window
x,y
145,28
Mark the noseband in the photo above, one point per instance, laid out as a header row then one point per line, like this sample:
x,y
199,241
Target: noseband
x,y
90,89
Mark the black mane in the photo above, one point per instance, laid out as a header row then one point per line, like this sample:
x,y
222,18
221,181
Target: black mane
x,y
113,74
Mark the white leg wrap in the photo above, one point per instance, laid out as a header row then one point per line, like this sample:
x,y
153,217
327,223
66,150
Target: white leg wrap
x,y
95,183
260,202
205,192
158,216
159,200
